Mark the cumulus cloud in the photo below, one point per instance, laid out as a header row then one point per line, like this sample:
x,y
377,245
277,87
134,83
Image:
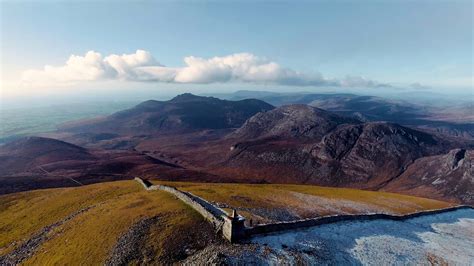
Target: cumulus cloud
x,y
89,67
142,66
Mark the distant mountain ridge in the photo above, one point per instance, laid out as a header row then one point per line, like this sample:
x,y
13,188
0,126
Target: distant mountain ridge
x,y
447,121
185,112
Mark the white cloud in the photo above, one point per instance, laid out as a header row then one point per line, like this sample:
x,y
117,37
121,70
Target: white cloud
x,y
126,65
142,66
89,67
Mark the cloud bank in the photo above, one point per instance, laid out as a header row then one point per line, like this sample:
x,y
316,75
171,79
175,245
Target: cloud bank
x,y
142,66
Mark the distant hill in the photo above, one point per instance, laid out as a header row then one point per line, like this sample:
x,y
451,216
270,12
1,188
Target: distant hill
x,y
186,112
36,162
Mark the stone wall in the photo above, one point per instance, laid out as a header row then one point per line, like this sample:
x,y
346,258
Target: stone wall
x,y
233,228
284,226
210,212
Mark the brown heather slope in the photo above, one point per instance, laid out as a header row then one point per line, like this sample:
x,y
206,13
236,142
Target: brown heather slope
x,y
36,162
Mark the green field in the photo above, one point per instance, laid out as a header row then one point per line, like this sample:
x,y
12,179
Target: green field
x,y
25,121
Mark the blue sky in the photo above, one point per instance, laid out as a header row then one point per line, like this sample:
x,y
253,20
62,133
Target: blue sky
x,y
307,44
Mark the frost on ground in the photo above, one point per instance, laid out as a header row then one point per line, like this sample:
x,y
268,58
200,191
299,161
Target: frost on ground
x,y
446,237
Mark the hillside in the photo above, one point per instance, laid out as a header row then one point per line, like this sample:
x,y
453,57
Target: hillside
x,y
36,162
121,223
449,175
310,145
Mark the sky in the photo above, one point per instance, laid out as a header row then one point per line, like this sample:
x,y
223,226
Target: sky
x,y
109,48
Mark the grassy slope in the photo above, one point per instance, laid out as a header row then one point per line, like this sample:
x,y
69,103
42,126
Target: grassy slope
x,y
307,201
90,236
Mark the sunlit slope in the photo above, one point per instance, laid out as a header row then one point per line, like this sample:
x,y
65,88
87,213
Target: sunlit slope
x,y
88,222
268,202
122,223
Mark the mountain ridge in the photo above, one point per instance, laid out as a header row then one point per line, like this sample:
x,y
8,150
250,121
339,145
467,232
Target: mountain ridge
x,y
185,112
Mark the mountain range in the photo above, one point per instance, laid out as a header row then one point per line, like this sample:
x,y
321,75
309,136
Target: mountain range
x,y
196,138
451,119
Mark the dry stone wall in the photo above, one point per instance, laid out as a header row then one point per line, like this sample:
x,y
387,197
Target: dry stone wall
x,y
233,228
212,213
284,226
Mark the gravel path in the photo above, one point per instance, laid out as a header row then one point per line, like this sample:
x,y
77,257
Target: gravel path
x,y
130,245
28,248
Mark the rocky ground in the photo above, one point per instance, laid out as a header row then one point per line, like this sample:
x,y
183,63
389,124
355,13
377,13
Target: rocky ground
x,y
137,244
130,246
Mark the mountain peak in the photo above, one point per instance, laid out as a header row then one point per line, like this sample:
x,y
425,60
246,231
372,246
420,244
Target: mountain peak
x,y
185,97
185,112
296,120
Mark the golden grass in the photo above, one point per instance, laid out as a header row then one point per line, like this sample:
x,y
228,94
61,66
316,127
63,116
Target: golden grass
x,y
306,201
23,214
90,236
397,203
